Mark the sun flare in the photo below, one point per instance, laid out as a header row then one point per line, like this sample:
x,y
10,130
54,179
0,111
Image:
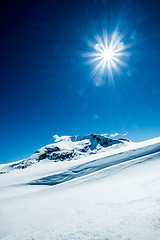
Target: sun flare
x,y
108,54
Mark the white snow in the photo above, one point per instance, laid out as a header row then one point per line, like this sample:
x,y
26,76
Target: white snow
x,y
113,194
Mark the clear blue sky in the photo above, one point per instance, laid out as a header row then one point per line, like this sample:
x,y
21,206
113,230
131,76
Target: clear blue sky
x,y
46,88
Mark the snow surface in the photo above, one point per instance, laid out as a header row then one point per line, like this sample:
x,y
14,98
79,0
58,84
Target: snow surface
x,y
112,194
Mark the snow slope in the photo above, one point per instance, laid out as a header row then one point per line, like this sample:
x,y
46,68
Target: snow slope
x,y
111,194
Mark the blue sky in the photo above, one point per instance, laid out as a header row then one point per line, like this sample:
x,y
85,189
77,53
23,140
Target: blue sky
x,y
46,87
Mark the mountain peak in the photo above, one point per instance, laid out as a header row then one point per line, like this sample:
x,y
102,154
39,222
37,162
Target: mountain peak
x,y
66,148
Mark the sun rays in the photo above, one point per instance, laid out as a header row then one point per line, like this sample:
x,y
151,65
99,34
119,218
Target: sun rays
x,y
108,54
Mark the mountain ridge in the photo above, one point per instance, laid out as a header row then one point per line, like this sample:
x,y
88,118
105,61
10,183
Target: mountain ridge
x,y
68,148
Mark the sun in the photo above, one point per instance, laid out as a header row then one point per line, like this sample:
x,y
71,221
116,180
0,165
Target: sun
x,y
107,54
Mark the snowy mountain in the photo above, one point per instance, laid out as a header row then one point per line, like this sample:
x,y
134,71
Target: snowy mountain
x,y
83,187
68,148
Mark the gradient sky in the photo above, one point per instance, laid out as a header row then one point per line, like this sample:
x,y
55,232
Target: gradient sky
x,y
46,87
